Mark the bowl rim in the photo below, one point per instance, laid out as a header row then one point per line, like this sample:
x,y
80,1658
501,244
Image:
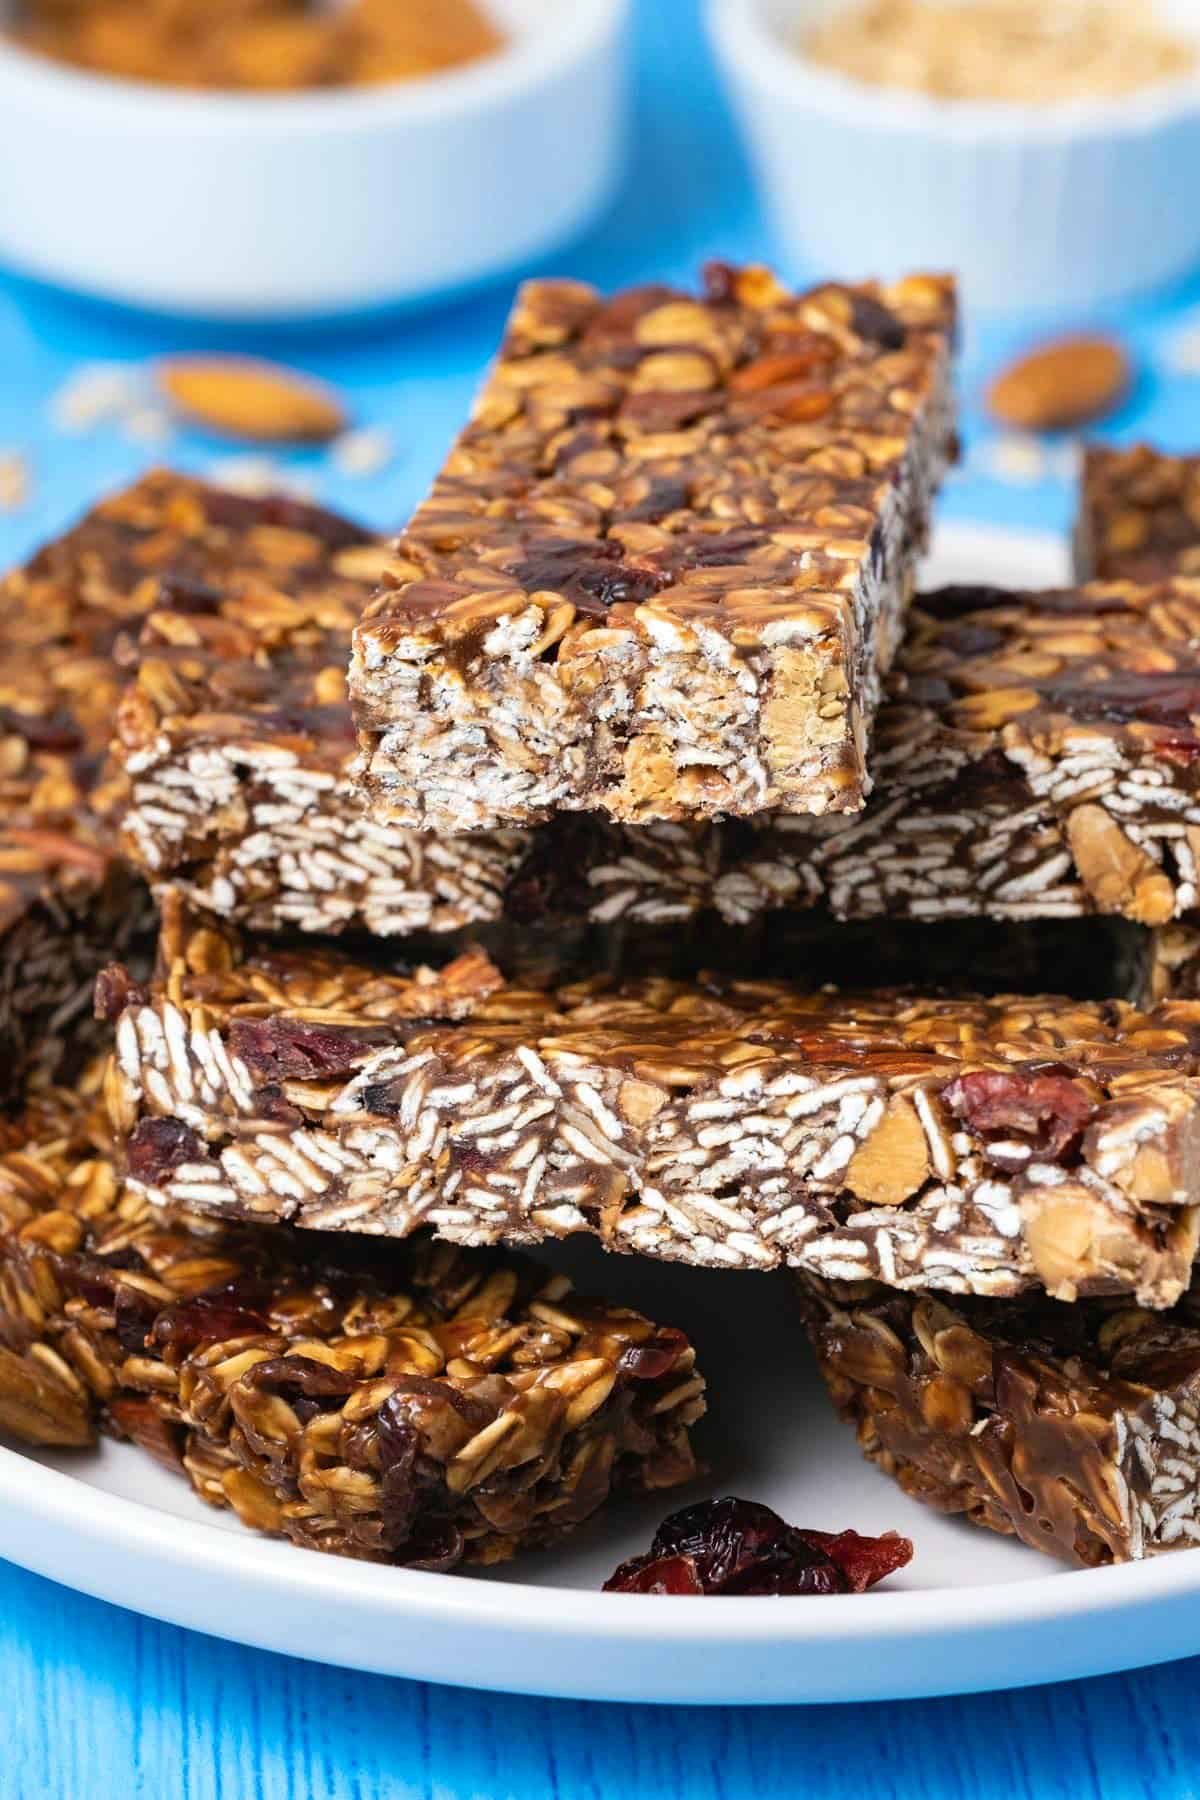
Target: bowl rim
x,y
570,35
742,36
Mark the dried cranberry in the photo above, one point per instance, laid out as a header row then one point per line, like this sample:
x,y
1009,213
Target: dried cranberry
x,y
398,1446
52,731
648,1361
593,574
863,1560
134,1314
296,1049
139,1418
713,550
426,1387
736,1546
115,990
720,282
656,1575
301,1378
876,323
435,1545
1179,748
241,512
159,1146
665,494
1155,698
185,593
213,1318
1045,1110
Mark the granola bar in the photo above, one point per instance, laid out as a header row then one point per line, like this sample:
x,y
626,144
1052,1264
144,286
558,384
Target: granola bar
x,y
666,564
421,1405
974,1145
1139,517
66,902
1075,1428
235,734
1039,757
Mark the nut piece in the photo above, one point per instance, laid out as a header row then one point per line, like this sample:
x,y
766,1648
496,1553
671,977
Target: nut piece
x,y
1063,384
243,398
1121,877
890,1167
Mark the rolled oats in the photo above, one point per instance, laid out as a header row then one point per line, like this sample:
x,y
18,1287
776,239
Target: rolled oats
x,y
972,1145
423,1405
1075,1428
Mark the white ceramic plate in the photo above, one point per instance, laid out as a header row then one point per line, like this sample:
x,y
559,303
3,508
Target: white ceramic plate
x,y
972,1611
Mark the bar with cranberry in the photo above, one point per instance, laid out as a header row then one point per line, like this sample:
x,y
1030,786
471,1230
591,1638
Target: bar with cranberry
x,y
965,1144
665,566
415,1403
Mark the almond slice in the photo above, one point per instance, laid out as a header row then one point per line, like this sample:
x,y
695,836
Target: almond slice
x,y
240,397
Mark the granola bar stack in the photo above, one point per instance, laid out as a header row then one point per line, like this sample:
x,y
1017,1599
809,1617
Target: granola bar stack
x,y
1061,732
500,875
420,1404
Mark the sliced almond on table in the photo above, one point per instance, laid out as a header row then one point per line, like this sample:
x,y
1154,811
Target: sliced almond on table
x,y
1061,384
241,397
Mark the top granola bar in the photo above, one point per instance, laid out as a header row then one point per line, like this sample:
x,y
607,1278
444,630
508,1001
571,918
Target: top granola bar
x,y
1139,519
666,564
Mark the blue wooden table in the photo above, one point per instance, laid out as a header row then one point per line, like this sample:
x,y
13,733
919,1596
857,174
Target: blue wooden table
x,y
97,1704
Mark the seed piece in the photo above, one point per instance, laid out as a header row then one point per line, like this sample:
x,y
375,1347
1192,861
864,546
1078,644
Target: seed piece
x,y
1062,384
240,397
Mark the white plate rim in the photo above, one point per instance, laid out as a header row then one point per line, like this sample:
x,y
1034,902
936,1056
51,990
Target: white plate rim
x,y
561,1641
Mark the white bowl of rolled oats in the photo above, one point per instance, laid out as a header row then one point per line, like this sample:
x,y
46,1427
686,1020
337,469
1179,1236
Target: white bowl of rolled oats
x,y
302,160
1047,150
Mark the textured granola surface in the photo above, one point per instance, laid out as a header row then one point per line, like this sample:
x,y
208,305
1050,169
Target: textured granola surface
x,y
975,1145
1139,516
418,1404
1038,757
235,734
1077,1428
66,904
666,563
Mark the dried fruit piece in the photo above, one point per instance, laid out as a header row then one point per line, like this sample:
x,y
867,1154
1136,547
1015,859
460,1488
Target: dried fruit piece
x,y
241,397
1062,384
733,1546
1033,1114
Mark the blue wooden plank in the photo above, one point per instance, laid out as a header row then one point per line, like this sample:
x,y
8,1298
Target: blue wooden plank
x,y
98,1704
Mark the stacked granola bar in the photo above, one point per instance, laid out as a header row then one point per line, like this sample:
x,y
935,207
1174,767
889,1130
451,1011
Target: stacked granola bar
x,y
1074,1427
423,1406
500,876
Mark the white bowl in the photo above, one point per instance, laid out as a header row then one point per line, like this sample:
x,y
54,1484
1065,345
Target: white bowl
x,y
1033,206
312,204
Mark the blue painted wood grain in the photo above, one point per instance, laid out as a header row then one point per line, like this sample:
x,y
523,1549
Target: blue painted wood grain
x,y
96,1704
